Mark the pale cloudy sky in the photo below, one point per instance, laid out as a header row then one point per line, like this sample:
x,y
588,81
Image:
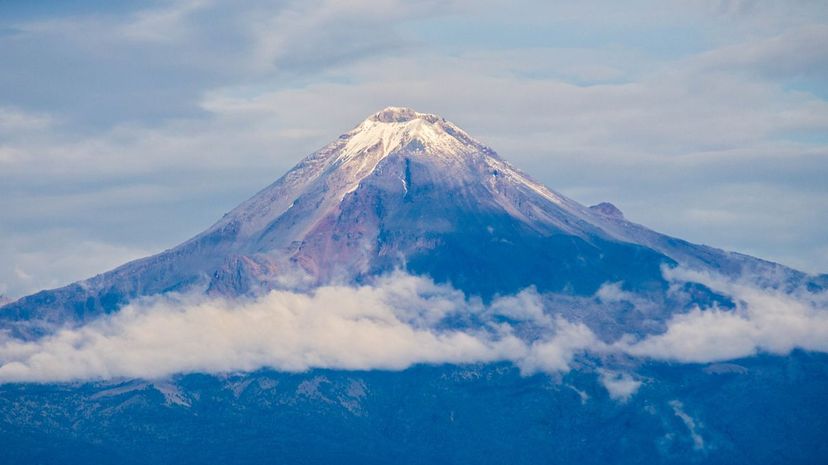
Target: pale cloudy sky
x,y
127,127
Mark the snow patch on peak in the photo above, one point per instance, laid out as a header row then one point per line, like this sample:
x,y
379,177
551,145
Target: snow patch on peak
x,y
401,115
395,128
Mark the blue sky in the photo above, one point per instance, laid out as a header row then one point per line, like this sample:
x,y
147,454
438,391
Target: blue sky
x,y
127,127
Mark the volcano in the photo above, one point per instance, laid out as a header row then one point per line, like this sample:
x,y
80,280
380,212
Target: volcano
x,y
401,191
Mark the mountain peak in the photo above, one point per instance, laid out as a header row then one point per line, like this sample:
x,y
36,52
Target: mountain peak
x,y
402,115
395,128
607,209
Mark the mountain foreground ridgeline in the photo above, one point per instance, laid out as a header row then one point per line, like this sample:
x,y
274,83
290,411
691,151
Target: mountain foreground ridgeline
x,y
409,191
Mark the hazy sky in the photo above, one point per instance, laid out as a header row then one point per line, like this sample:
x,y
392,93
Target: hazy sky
x,y
128,127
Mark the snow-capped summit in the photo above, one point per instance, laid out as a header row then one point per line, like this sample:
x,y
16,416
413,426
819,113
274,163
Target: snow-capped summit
x,y
395,128
401,114
402,190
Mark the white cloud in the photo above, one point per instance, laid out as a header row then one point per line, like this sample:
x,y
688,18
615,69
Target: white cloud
x,y
764,320
394,324
164,24
792,53
556,353
15,120
620,386
381,327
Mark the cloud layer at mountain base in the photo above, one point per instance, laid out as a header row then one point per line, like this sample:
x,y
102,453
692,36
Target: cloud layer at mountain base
x,y
391,325
396,323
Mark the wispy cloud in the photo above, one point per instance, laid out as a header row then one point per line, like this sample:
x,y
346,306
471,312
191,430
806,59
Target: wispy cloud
x,y
40,260
620,386
689,422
